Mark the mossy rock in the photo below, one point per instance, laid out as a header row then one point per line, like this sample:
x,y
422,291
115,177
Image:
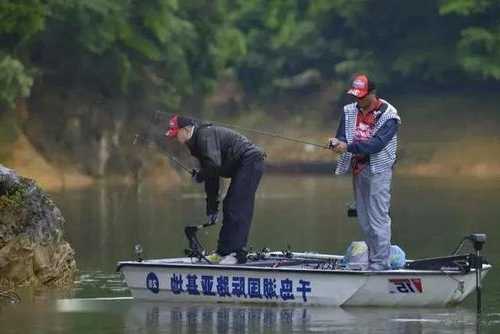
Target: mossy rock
x,y
32,246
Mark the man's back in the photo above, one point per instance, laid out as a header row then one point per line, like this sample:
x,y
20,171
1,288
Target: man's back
x,y
220,149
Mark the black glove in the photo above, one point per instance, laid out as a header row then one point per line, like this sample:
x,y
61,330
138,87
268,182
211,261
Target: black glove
x,y
212,217
196,176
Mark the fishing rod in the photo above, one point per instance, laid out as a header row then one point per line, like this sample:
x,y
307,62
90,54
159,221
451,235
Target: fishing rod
x,y
273,135
180,164
172,158
195,249
157,115
260,132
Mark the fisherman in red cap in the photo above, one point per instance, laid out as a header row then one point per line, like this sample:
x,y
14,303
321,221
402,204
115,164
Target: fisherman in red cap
x,y
367,140
222,152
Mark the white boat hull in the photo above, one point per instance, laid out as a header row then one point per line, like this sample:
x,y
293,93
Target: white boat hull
x,y
181,280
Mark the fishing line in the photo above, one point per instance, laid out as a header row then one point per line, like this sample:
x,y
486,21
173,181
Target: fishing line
x,y
169,156
146,138
260,132
180,164
271,134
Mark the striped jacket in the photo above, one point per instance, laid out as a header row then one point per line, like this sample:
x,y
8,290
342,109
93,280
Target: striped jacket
x,y
380,161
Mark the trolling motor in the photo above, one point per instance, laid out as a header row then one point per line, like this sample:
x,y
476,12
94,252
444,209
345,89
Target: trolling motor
x,y
478,240
458,262
196,249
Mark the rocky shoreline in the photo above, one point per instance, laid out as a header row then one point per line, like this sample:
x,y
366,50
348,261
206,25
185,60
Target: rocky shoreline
x,y
33,251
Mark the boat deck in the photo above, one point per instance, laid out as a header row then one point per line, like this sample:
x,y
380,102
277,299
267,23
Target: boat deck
x,y
331,265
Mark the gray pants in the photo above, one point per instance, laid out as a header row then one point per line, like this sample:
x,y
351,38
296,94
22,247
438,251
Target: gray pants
x,y
373,197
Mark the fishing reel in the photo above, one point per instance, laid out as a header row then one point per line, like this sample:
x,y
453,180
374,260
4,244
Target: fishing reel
x,y
287,252
351,210
259,254
138,251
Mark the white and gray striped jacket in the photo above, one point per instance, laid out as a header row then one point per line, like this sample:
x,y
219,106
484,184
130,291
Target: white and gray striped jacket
x,y
379,162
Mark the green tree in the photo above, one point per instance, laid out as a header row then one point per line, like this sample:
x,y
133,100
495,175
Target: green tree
x,y
336,38
19,22
479,44
161,50
14,81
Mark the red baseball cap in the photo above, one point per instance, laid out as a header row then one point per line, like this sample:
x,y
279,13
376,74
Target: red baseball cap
x,y
173,127
360,86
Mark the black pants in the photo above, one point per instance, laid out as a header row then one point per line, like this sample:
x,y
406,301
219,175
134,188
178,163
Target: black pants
x,y
238,206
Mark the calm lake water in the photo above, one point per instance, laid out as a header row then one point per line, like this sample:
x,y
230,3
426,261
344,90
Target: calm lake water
x,y
430,216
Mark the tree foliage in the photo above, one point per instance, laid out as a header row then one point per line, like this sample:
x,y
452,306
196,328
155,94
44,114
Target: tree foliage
x,y
339,37
165,51
479,42
155,49
14,81
19,22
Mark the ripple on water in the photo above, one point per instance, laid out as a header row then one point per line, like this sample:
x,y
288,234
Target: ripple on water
x,y
99,284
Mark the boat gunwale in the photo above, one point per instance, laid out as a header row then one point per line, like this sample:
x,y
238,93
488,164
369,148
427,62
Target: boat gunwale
x,y
406,272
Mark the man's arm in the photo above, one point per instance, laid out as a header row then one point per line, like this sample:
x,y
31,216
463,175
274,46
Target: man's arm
x,y
378,141
210,154
210,162
341,129
212,191
340,137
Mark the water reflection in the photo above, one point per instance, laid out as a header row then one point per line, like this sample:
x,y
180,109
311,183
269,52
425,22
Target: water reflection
x,y
227,319
429,217
125,315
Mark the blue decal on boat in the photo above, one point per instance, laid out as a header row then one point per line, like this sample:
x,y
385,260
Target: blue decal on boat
x,y
238,287
152,283
207,283
191,286
176,284
223,286
304,288
269,288
286,291
254,288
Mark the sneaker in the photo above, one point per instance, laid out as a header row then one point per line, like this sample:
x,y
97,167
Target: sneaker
x,y
229,259
214,258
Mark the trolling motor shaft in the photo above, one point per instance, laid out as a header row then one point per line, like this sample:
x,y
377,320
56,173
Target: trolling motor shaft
x,y
196,249
478,240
